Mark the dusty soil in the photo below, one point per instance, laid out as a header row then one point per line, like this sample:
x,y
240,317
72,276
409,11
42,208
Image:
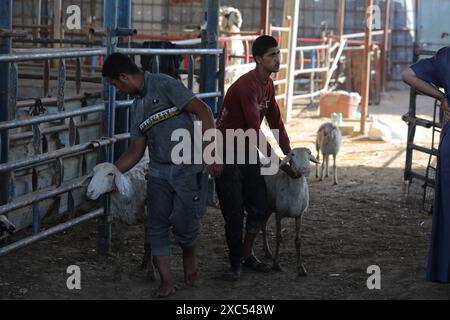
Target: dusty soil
x,y
368,219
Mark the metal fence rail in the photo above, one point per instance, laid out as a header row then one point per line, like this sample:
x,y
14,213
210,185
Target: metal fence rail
x,y
319,65
190,53
40,157
73,147
435,125
51,231
67,54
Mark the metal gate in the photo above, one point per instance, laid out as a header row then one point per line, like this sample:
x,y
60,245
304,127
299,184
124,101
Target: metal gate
x,y
104,145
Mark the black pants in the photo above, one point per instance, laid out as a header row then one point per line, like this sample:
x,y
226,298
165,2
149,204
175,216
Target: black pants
x,y
241,187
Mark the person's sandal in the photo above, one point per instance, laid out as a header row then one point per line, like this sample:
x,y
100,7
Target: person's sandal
x,y
254,264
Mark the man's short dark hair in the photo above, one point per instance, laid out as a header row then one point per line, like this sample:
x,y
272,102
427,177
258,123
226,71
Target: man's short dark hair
x,y
262,45
118,63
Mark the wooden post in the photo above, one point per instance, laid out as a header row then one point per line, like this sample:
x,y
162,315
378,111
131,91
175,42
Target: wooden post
x,y
341,18
291,59
284,43
57,27
265,10
365,86
386,38
37,16
57,15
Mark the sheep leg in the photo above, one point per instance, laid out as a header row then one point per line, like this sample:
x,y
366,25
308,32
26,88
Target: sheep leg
x,y
335,169
323,167
276,260
147,263
116,246
317,165
328,168
266,246
301,271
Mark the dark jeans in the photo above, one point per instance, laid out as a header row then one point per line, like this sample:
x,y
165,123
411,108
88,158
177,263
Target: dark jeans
x,y
439,253
239,188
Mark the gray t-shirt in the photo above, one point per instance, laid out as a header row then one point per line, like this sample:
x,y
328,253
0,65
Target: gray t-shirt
x,y
161,92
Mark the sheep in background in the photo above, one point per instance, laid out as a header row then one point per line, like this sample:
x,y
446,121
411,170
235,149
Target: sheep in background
x,y
6,226
128,204
230,22
329,140
386,130
289,198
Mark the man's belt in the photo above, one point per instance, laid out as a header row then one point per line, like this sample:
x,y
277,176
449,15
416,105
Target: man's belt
x,y
159,117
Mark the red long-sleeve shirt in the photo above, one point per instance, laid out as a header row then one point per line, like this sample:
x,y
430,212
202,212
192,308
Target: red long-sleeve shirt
x,y
246,104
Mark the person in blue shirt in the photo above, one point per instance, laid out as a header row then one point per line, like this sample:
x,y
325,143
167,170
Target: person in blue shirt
x,y
427,76
176,193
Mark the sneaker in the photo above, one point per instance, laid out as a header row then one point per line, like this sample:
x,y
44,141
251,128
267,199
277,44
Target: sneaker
x,y
254,264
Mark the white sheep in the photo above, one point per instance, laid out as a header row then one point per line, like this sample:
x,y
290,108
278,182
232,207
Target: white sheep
x,y
6,226
230,22
289,198
128,204
385,130
329,140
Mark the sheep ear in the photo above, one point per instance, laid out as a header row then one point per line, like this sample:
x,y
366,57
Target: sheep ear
x,y
88,178
122,185
313,159
286,160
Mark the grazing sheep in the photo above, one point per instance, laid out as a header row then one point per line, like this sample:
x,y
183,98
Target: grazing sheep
x,y
289,198
6,226
128,204
329,140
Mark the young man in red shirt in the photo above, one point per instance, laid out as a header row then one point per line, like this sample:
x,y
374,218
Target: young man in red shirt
x,y
241,186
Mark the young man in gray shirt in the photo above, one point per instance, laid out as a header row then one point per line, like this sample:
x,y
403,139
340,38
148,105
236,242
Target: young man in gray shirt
x,y
176,193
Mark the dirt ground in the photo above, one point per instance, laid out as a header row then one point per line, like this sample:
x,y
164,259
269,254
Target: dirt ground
x,y
368,219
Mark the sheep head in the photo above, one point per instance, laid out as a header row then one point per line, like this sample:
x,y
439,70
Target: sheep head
x,y
299,159
106,178
328,130
230,19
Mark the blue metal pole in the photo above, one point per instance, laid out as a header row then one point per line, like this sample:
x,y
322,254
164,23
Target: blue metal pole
x,y
109,95
110,25
313,76
124,22
208,66
5,48
210,41
124,14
